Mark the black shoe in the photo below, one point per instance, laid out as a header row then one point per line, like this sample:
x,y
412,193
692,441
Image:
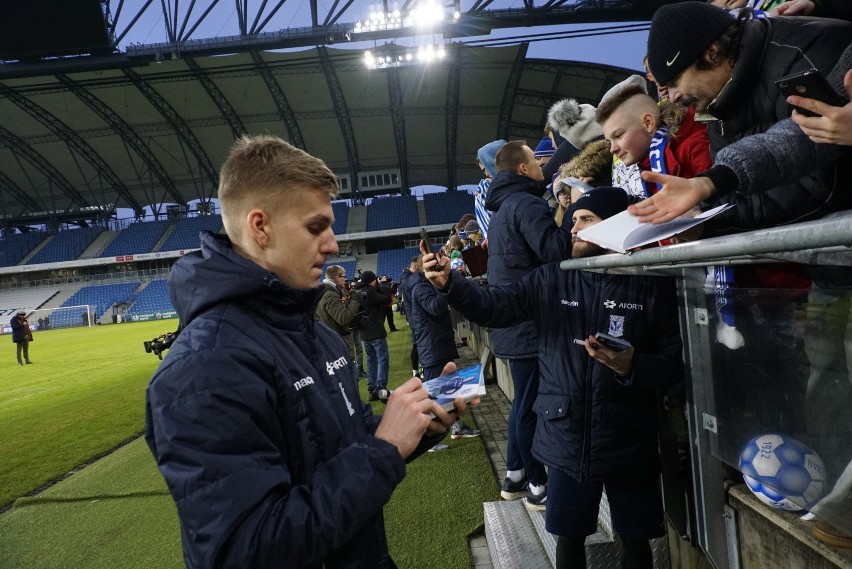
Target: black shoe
x,y
536,502
514,490
28,362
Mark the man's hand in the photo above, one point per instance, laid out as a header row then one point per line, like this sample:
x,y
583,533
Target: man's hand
x,y
678,196
833,126
619,362
406,416
436,269
794,8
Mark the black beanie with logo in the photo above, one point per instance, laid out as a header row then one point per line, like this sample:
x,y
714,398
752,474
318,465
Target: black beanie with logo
x,y
680,33
604,202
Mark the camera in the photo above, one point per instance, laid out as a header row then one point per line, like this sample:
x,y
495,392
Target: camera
x,y
161,343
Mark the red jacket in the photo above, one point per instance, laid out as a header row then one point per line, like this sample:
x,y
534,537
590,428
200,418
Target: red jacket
x,y
688,153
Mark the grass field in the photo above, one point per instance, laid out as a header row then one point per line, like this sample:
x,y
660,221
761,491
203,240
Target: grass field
x,y
84,395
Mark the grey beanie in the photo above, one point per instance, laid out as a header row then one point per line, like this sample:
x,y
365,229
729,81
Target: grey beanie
x,y
574,122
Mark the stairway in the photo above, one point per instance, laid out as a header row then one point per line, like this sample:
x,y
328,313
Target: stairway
x,y
517,539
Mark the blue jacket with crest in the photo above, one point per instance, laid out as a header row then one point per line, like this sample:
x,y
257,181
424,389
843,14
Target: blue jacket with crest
x,y
256,423
592,423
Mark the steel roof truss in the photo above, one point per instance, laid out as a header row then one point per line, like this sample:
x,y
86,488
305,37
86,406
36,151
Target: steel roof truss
x,y
398,120
285,111
205,166
340,107
219,99
128,135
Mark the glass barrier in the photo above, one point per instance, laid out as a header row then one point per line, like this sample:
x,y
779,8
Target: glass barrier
x,y
781,364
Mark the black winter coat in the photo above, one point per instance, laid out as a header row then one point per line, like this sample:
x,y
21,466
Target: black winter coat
x,y
255,421
431,326
772,48
592,424
522,236
373,302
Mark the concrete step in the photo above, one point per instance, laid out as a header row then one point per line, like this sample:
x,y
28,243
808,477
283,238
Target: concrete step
x,y
517,539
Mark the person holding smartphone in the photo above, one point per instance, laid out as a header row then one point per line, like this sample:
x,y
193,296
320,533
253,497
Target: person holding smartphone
x,y
596,406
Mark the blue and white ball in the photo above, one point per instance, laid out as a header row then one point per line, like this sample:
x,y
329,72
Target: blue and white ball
x,y
783,472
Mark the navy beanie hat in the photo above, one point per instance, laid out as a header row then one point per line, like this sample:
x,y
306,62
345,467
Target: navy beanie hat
x,y
680,33
487,155
367,277
604,202
544,148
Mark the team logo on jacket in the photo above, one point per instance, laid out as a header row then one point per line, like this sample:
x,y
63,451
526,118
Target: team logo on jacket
x,y
616,325
304,382
609,304
336,364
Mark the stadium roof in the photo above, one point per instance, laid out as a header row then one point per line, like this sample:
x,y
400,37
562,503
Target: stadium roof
x,y
156,132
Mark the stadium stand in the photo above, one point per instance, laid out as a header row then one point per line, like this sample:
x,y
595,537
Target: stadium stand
x,y
139,237
185,234
348,266
153,298
102,297
341,217
66,245
15,247
447,207
392,213
392,261
27,298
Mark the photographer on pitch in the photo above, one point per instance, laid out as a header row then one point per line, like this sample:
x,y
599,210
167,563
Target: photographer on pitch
x,y
373,295
596,406
21,335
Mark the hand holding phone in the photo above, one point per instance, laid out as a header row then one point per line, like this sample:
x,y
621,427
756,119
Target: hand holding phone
x,y
812,85
425,242
613,343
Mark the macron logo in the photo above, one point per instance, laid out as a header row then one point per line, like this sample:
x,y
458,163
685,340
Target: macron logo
x,y
304,382
336,364
609,304
570,302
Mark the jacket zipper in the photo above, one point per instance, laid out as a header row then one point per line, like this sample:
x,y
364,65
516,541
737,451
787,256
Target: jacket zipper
x,y
587,438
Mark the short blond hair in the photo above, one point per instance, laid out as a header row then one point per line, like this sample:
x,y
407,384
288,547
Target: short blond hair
x,y
266,172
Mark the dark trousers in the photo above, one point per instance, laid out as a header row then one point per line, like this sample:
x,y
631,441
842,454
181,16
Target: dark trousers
x,y
522,421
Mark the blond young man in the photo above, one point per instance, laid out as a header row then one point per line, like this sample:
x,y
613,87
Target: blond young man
x,y
254,416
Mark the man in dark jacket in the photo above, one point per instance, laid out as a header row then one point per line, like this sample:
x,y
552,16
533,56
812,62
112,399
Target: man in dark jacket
x,y
728,67
433,334
597,407
523,235
338,310
254,416
374,296
22,336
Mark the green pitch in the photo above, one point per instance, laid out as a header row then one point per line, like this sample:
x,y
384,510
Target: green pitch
x,y
84,396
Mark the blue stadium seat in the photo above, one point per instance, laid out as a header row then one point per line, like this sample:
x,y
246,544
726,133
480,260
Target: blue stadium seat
x,y
348,266
392,213
185,234
341,217
154,298
66,245
139,237
447,207
393,261
16,247
102,297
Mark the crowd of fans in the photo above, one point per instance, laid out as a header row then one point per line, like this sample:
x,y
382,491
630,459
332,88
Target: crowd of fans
x,y
265,450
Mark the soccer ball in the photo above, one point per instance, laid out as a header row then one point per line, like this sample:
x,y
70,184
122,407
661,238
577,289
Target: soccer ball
x,y
783,472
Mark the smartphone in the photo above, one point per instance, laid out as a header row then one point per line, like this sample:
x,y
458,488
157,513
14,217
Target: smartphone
x,y
613,343
424,236
810,84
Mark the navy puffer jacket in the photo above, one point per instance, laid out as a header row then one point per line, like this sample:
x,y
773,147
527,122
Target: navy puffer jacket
x,y
431,327
592,424
522,236
256,424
